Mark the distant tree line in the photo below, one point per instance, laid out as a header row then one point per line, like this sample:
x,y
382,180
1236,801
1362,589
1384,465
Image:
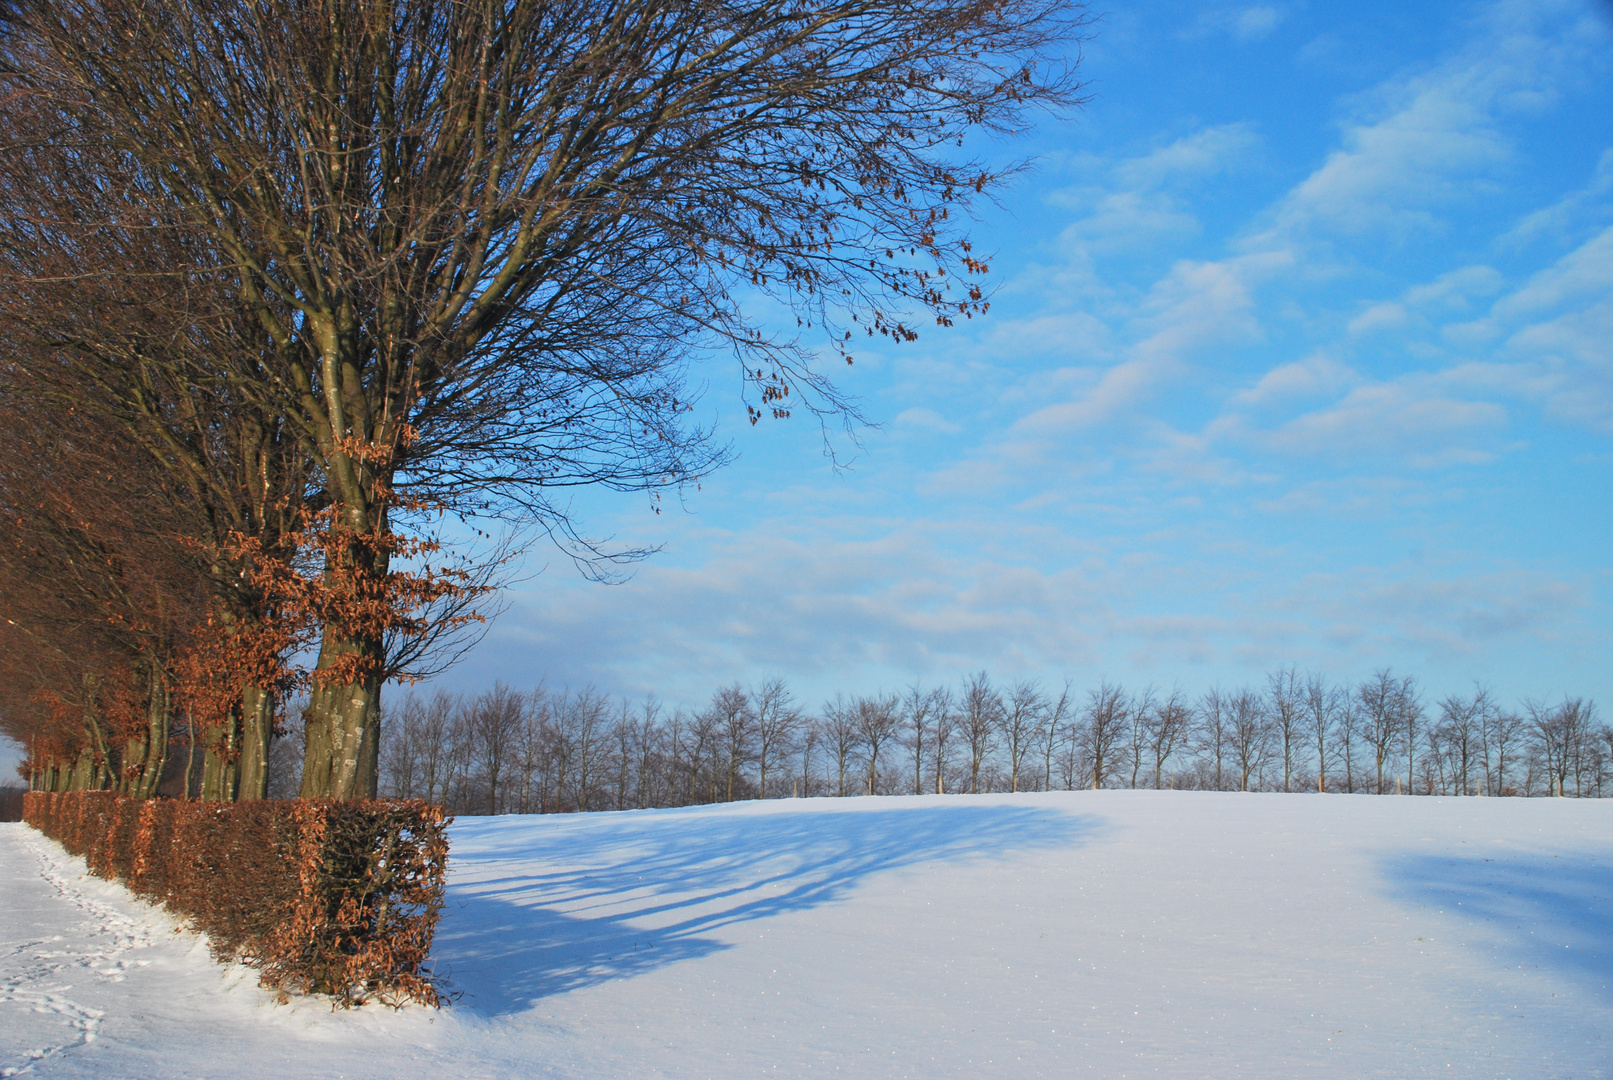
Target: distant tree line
x,y
546,751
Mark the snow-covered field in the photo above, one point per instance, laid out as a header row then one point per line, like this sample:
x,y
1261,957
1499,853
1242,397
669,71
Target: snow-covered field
x,y
1107,934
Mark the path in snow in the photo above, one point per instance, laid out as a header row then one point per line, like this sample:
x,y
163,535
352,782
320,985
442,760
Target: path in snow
x,y
56,950
1106,934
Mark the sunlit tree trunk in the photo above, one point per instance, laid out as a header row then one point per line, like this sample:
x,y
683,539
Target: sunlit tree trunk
x,y
257,731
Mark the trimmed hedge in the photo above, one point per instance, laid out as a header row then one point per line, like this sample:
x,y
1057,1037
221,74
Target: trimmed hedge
x,y
340,898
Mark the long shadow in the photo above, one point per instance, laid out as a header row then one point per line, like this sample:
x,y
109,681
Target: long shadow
x,y
1537,910
540,906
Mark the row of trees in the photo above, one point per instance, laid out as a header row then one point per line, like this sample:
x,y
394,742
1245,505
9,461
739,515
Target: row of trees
x,y
282,282
545,751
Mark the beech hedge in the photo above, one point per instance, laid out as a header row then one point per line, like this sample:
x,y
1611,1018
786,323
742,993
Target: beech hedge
x,y
323,896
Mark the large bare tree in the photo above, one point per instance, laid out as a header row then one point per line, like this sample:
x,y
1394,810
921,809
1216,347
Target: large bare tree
x,y
482,237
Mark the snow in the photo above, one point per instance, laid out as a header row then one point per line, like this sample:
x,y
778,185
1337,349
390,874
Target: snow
x,y
1108,934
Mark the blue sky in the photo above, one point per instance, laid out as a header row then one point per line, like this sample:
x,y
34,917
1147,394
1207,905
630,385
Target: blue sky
x,y
1301,351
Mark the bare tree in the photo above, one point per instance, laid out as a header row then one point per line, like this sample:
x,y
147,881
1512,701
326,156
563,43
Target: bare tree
x,y
581,731
1410,706
1558,733
1250,728
458,788
736,723
777,720
535,754
946,726
1023,717
1380,699
1501,733
651,789
502,752
1102,726
979,717
1587,760
1349,731
400,757
1138,716
1169,723
461,220
878,719
1055,727
811,737
496,718
623,733
1285,704
1215,731
919,716
1462,721
1324,706
843,734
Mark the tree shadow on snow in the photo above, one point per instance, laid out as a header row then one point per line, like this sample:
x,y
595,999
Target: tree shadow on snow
x,y
1540,911
547,905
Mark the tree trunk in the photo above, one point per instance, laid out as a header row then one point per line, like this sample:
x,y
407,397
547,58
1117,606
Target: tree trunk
x,y
145,755
78,778
257,729
341,755
221,764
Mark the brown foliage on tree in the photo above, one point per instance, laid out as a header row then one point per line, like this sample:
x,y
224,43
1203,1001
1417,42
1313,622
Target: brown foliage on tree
x,y
95,599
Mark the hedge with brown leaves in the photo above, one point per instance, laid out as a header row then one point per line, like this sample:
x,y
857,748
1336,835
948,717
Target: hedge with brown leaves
x,y
340,898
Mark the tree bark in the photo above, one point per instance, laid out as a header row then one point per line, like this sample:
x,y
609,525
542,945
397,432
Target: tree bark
x,y
221,764
341,754
257,729
145,754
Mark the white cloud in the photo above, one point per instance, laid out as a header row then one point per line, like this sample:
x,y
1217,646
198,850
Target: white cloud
x,y
828,609
1428,612
1452,293
1137,202
1258,21
1383,316
1431,140
1115,390
1393,174
1407,418
926,420
1556,336
1206,152
1246,23
903,601
1359,497
1586,273
1589,205
1455,290
1316,375
1197,306
1128,221
1422,419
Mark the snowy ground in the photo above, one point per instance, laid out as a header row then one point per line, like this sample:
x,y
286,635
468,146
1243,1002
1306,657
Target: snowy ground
x,y
1107,934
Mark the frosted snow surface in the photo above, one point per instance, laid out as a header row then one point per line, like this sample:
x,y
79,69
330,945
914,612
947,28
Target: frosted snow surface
x,y
1108,934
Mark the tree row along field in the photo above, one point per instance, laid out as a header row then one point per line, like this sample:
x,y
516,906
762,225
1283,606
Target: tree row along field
x,y
543,751
284,289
